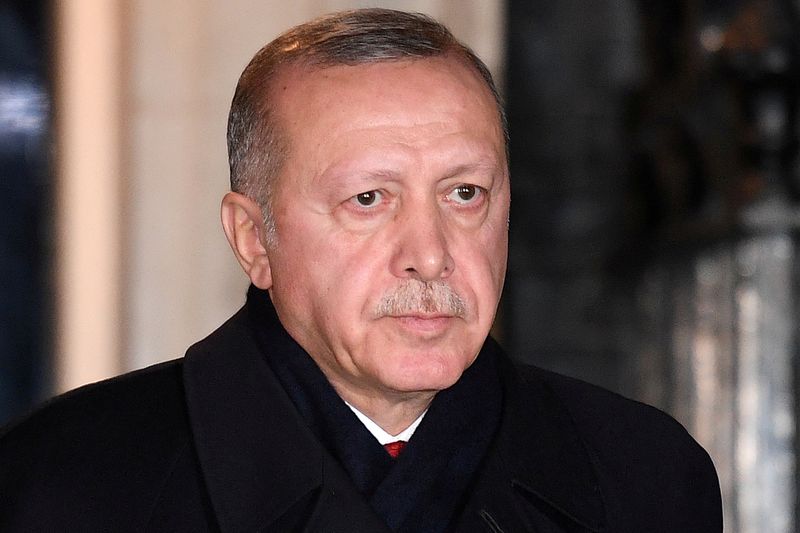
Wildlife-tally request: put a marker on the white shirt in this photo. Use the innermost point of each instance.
(379, 433)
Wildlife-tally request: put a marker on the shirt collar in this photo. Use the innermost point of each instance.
(381, 434)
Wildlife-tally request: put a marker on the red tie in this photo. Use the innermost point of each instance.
(394, 448)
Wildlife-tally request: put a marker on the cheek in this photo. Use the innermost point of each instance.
(481, 261)
(499, 258)
(494, 238)
(487, 250)
(349, 272)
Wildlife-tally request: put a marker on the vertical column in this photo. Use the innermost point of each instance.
(87, 113)
(765, 417)
(711, 391)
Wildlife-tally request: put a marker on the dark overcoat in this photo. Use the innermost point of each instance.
(211, 442)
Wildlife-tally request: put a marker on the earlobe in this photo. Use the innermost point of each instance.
(244, 228)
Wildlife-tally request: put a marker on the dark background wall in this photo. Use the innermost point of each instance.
(569, 73)
(641, 132)
(25, 195)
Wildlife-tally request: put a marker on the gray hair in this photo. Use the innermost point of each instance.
(256, 147)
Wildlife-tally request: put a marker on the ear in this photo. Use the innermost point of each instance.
(243, 223)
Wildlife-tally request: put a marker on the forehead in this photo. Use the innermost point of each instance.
(319, 102)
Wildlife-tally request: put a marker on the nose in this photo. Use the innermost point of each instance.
(422, 250)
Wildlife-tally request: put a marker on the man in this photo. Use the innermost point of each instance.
(369, 210)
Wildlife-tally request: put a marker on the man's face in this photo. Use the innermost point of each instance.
(391, 221)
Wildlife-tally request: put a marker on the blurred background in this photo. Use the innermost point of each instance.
(656, 183)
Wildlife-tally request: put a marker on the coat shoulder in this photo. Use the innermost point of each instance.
(133, 402)
(644, 459)
(107, 443)
(599, 411)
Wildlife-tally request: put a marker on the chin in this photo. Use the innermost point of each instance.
(425, 373)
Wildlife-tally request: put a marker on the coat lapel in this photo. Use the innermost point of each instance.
(262, 466)
(340, 508)
(538, 475)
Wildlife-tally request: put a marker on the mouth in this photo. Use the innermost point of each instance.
(425, 323)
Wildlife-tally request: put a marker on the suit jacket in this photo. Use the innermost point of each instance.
(211, 442)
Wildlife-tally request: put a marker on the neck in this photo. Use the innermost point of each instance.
(393, 412)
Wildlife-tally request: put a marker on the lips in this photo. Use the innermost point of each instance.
(424, 323)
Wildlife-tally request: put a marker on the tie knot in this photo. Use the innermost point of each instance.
(394, 448)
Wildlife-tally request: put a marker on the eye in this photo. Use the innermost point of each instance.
(367, 199)
(465, 194)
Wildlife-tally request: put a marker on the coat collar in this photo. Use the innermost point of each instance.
(242, 421)
(538, 460)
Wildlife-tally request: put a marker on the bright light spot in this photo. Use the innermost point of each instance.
(712, 38)
(23, 108)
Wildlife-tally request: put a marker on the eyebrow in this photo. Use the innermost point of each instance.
(467, 168)
(366, 176)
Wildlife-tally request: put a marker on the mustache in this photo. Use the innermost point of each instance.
(422, 297)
